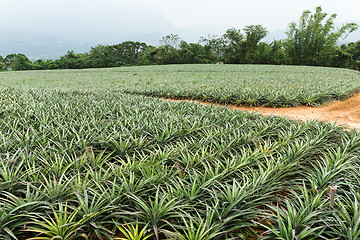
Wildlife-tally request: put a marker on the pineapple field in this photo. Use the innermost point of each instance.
(87, 154)
(248, 85)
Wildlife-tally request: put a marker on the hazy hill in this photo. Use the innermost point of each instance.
(46, 37)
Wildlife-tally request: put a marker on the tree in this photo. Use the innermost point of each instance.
(168, 52)
(101, 56)
(278, 53)
(166, 55)
(72, 60)
(128, 53)
(354, 49)
(40, 65)
(192, 53)
(313, 40)
(172, 40)
(253, 35)
(239, 48)
(341, 58)
(2, 64)
(147, 56)
(17, 62)
(125, 53)
(234, 48)
(213, 47)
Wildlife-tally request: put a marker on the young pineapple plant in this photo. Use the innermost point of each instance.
(102, 164)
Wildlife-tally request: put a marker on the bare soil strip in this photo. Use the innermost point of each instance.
(343, 112)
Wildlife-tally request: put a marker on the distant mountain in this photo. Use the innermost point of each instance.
(50, 46)
(39, 44)
(47, 37)
(49, 40)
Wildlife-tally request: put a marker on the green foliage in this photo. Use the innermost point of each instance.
(253, 35)
(254, 85)
(299, 218)
(2, 64)
(195, 230)
(313, 40)
(126, 53)
(239, 48)
(59, 225)
(213, 47)
(157, 213)
(133, 232)
(41, 65)
(172, 41)
(17, 62)
(184, 171)
(11, 217)
(346, 221)
(81, 154)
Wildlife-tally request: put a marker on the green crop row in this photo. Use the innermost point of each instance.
(77, 164)
(252, 85)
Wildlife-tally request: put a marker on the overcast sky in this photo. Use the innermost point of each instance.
(273, 14)
(110, 21)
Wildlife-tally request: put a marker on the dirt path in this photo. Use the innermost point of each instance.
(343, 112)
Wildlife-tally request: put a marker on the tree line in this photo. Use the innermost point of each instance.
(312, 41)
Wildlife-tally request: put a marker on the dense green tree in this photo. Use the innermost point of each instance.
(40, 65)
(354, 49)
(8, 60)
(72, 60)
(101, 57)
(17, 62)
(192, 53)
(129, 52)
(147, 56)
(234, 47)
(278, 53)
(126, 53)
(52, 64)
(213, 47)
(239, 48)
(254, 53)
(2, 64)
(341, 58)
(253, 35)
(313, 40)
(261, 54)
(349, 55)
(172, 40)
(167, 55)
(168, 52)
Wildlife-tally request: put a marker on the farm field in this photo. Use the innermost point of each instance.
(249, 85)
(80, 158)
(345, 112)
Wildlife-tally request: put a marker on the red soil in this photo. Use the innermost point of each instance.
(346, 112)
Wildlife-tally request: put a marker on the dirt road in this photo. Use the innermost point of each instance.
(343, 112)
